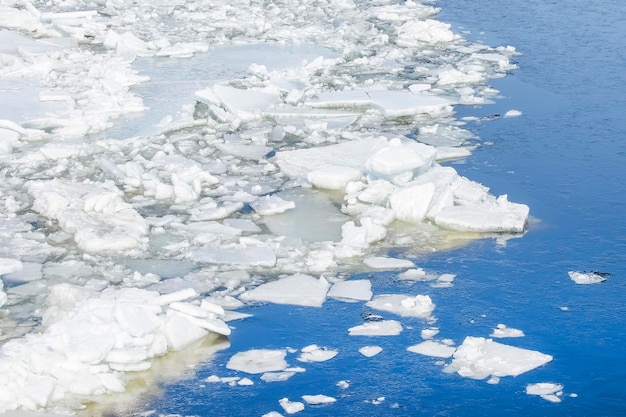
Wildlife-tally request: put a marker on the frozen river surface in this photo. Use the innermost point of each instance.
(271, 209)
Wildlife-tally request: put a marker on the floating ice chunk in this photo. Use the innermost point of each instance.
(277, 376)
(429, 333)
(587, 277)
(314, 353)
(291, 407)
(513, 113)
(358, 289)
(298, 289)
(485, 217)
(272, 414)
(381, 262)
(479, 358)
(258, 361)
(8, 266)
(243, 255)
(354, 239)
(369, 351)
(432, 348)
(414, 33)
(502, 331)
(377, 328)
(416, 274)
(333, 177)
(547, 390)
(244, 150)
(446, 153)
(404, 305)
(318, 399)
(271, 204)
(244, 225)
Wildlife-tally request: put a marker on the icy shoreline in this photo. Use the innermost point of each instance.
(194, 210)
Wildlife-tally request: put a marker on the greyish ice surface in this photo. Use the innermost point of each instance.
(119, 247)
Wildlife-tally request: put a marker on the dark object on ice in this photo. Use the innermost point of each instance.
(602, 274)
(371, 317)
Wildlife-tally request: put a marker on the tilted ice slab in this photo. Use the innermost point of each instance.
(94, 213)
(258, 361)
(377, 328)
(433, 348)
(586, 277)
(479, 358)
(298, 289)
(89, 341)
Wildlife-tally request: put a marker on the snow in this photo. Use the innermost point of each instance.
(585, 278)
(298, 289)
(479, 358)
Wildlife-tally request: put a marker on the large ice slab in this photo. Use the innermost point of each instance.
(479, 358)
(258, 361)
(299, 289)
(377, 328)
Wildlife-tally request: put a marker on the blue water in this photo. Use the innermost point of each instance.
(565, 159)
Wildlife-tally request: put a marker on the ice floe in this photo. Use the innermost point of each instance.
(318, 399)
(479, 358)
(258, 361)
(314, 353)
(549, 391)
(369, 351)
(297, 289)
(502, 330)
(377, 328)
(587, 277)
(406, 306)
(433, 348)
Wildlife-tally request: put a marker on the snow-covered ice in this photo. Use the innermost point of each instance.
(369, 351)
(502, 330)
(315, 353)
(318, 399)
(549, 391)
(258, 361)
(297, 289)
(351, 290)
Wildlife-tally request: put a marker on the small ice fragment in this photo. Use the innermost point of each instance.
(404, 305)
(245, 382)
(291, 407)
(258, 361)
(314, 353)
(343, 384)
(429, 333)
(432, 348)
(381, 262)
(547, 390)
(273, 414)
(587, 277)
(493, 380)
(377, 328)
(369, 351)
(502, 331)
(416, 274)
(318, 399)
(513, 113)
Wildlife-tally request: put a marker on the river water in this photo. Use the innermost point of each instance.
(564, 157)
